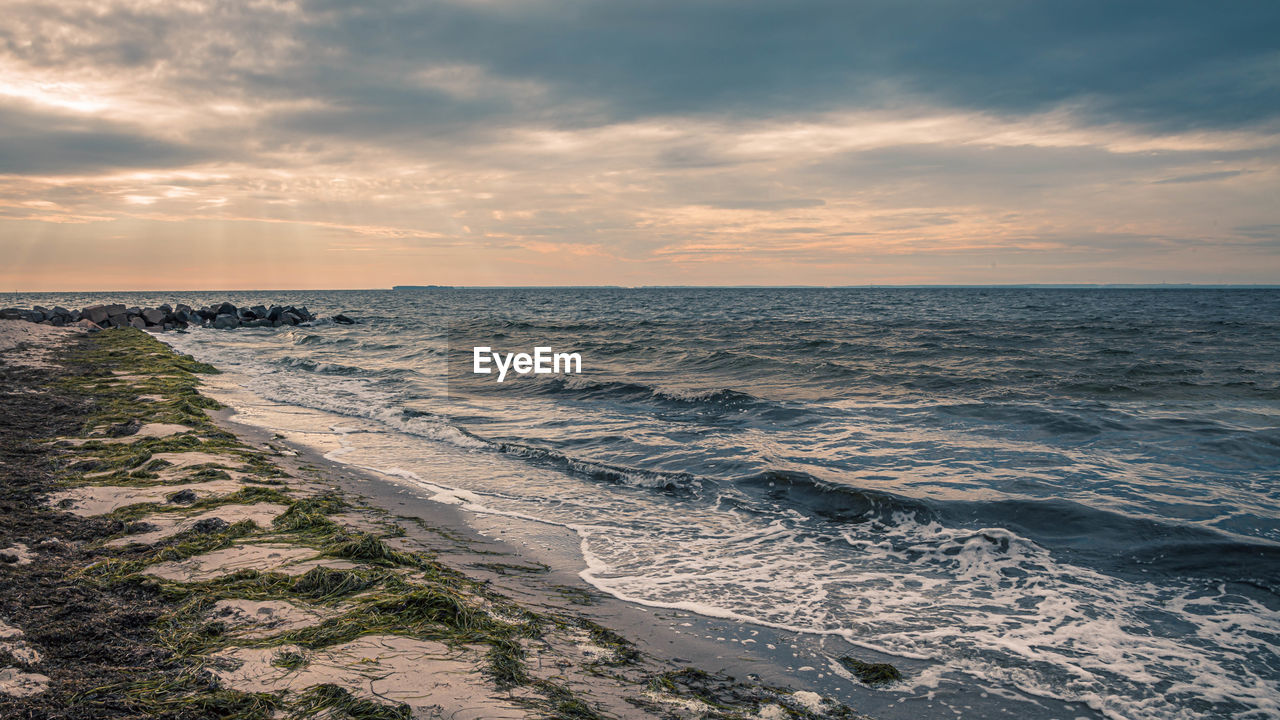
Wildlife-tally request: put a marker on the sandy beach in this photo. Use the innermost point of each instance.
(163, 560)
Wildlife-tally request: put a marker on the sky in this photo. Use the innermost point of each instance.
(190, 144)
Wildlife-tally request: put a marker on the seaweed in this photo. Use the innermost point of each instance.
(871, 673)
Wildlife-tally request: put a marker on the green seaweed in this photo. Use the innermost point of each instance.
(871, 673)
(332, 701)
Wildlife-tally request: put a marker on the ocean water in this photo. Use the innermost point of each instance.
(1068, 494)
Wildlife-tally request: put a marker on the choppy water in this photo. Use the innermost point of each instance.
(1064, 493)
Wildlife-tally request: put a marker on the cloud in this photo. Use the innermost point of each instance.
(628, 133)
(1201, 177)
(38, 143)
(773, 204)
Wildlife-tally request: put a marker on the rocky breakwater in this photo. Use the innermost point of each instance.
(224, 316)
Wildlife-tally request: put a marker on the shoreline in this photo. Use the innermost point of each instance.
(728, 645)
(222, 531)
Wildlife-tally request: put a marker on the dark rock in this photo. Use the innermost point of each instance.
(165, 308)
(182, 497)
(210, 525)
(226, 308)
(291, 318)
(137, 322)
(113, 310)
(343, 319)
(226, 322)
(256, 322)
(154, 316)
(182, 307)
(259, 311)
(305, 314)
(96, 314)
(275, 312)
(118, 321)
(133, 311)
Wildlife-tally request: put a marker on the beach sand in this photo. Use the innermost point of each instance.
(163, 559)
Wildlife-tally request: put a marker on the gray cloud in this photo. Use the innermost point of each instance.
(1201, 177)
(39, 143)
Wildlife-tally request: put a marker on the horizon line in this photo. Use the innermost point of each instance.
(865, 286)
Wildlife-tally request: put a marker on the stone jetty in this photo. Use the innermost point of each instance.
(224, 316)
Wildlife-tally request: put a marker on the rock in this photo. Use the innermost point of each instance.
(154, 316)
(226, 322)
(259, 311)
(10, 314)
(210, 525)
(226, 308)
(182, 497)
(256, 323)
(96, 314)
(181, 307)
(89, 325)
(291, 318)
(133, 311)
(118, 321)
(274, 313)
(165, 308)
(137, 322)
(116, 309)
(343, 319)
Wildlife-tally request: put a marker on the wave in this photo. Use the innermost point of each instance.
(723, 399)
(829, 500)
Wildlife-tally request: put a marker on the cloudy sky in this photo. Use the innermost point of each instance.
(186, 144)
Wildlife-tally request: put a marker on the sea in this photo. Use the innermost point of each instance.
(1068, 494)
